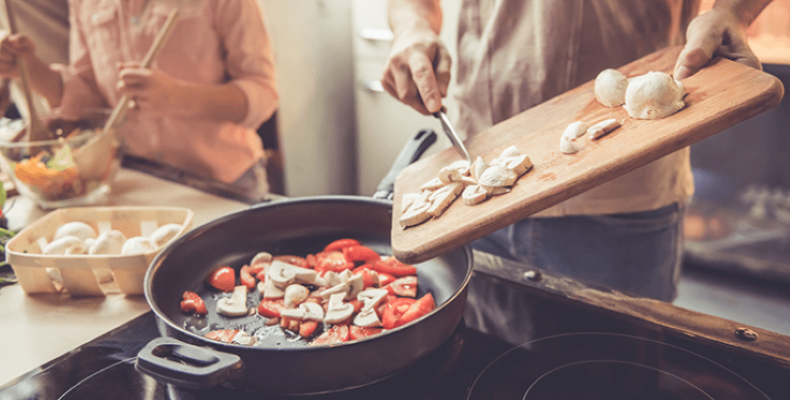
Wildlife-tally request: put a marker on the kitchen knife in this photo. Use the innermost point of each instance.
(454, 139)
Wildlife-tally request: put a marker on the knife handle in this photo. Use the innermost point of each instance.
(410, 153)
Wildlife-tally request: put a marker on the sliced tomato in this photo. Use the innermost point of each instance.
(406, 286)
(222, 278)
(293, 260)
(339, 244)
(394, 267)
(270, 308)
(192, 303)
(222, 335)
(359, 332)
(332, 261)
(383, 304)
(307, 328)
(357, 305)
(310, 259)
(368, 279)
(360, 253)
(419, 308)
(246, 277)
(394, 310)
(335, 334)
(385, 279)
(261, 276)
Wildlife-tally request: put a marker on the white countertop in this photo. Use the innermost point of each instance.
(36, 329)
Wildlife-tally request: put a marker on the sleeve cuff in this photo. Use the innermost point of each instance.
(262, 101)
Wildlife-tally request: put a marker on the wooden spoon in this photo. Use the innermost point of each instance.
(36, 130)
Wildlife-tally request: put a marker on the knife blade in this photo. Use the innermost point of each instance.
(454, 139)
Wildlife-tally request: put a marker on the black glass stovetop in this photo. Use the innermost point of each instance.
(568, 353)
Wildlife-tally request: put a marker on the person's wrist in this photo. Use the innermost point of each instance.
(729, 12)
(183, 100)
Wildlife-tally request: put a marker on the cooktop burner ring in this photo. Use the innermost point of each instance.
(607, 365)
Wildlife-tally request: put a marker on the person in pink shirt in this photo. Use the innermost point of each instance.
(211, 86)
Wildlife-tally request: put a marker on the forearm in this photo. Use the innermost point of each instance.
(45, 81)
(225, 102)
(745, 10)
(411, 14)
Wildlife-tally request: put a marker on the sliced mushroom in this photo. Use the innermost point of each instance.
(244, 339)
(432, 184)
(371, 298)
(569, 146)
(341, 288)
(462, 166)
(108, 243)
(345, 275)
(568, 142)
(417, 214)
(475, 194)
(407, 200)
(78, 229)
(355, 285)
(510, 151)
(165, 233)
(480, 166)
(337, 310)
(236, 304)
(261, 258)
(602, 128)
(520, 164)
(575, 130)
(331, 278)
(67, 245)
(294, 295)
(271, 291)
(444, 197)
(305, 311)
(367, 319)
(281, 274)
(497, 175)
(496, 191)
(449, 175)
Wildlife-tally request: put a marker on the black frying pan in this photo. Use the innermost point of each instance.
(278, 364)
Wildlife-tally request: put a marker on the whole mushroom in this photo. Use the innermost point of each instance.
(610, 87)
(78, 229)
(654, 95)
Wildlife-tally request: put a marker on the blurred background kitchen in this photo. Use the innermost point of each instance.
(337, 131)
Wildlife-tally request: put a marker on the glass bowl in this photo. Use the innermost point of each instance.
(73, 170)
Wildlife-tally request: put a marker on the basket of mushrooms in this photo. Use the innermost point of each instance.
(94, 251)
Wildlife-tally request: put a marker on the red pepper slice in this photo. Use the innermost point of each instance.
(246, 277)
(339, 244)
(419, 308)
(394, 267)
(385, 279)
(360, 253)
(222, 278)
(193, 303)
(222, 335)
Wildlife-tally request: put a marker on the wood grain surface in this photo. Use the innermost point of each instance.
(721, 95)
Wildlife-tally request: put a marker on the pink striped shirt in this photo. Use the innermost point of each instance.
(213, 42)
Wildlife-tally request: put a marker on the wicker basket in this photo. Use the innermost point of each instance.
(90, 275)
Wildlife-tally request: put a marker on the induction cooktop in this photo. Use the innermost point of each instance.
(559, 348)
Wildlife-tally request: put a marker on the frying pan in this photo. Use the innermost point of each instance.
(278, 364)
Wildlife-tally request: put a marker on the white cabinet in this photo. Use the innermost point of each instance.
(383, 124)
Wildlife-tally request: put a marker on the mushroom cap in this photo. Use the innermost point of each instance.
(165, 233)
(295, 294)
(138, 245)
(654, 95)
(108, 243)
(610, 87)
(67, 245)
(78, 229)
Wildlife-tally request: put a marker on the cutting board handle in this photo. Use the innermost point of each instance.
(411, 152)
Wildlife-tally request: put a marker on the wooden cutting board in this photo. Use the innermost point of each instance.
(719, 96)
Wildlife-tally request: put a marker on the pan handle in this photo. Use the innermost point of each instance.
(410, 153)
(185, 365)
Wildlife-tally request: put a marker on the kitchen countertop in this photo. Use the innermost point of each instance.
(36, 329)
